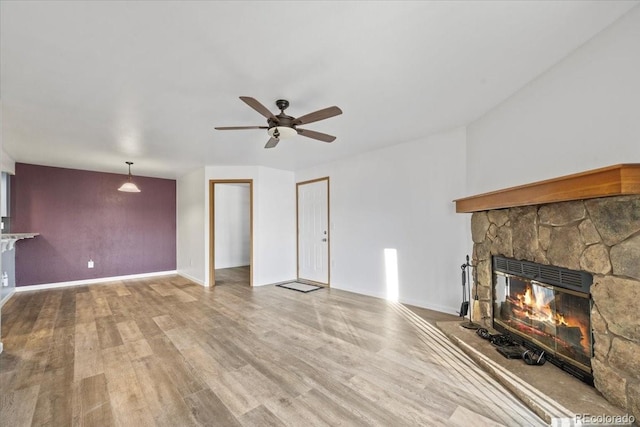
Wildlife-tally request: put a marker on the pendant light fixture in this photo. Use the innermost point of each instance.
(129, 187)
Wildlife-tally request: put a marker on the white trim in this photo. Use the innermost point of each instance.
(92, 281)
(7, 297)
(402, 300)
(429, 306)
(193, 279)
(279, 283)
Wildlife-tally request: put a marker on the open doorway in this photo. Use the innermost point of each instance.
(231, 232)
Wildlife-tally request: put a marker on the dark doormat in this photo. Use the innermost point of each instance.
(300, 287)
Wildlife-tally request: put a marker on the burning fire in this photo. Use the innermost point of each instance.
(538, 306)
(560, 320)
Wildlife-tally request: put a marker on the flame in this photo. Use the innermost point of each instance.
(537, 306)
(560, 320)
(527, 297)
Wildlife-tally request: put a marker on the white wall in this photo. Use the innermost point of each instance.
(581, 114)
(232, 225)
(191, 211)
(400, 197)
(7, 164)
(4, 195)
(8, 265)
(276, 225)
(274, 243)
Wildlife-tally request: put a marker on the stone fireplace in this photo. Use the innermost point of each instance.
(587, 222)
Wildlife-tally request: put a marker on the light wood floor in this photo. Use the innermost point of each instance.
(233, 276)
(164, 351)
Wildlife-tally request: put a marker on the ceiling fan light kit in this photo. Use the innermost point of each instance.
(282, 132)
(282, 126)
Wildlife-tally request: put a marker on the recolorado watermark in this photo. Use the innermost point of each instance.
(588, 420)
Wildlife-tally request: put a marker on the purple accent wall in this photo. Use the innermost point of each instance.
(81, 215)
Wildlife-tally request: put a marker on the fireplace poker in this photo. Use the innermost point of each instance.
(464, 308)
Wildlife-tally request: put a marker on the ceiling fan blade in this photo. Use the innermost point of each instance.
(272, 143)
(240, 127)
(316, 135)
(325, 113)
(256, 105)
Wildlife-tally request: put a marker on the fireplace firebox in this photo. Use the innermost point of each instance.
(548, 309)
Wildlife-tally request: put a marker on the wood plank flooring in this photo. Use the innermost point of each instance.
(167, 352)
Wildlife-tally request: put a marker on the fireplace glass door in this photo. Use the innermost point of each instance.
(556, 319)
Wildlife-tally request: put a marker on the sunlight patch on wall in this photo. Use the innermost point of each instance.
(391, 271)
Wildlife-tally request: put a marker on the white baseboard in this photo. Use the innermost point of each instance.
(409, 301)
(193, 279)
(6, 297)
(92, 281)
(255, 285)
(429, 306)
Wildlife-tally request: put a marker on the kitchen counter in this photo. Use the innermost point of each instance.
(9, 239)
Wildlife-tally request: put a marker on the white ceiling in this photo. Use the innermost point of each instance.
(89, 85)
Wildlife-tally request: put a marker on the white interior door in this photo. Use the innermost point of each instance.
(313, 231)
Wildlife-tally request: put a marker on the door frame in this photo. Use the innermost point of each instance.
(298, 184)
(212, 226)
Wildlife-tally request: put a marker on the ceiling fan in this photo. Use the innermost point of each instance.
(283, 126)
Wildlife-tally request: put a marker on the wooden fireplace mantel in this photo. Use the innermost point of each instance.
(614, 180)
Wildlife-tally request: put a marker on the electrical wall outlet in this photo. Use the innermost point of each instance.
(90, 264)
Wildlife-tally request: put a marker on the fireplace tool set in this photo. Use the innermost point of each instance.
(504, 344)
(466, 296)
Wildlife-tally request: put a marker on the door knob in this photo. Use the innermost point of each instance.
(324, 240)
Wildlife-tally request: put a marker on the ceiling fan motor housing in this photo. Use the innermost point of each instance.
(282, 120)
(278, 125)
(282, 104)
